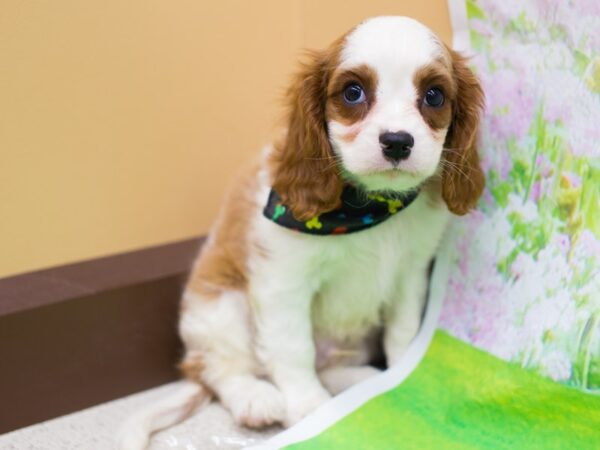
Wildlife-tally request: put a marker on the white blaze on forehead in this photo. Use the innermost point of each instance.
(392, 45)
(395, 48)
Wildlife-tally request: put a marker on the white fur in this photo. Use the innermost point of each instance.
(339, 378)
(218, 331)
(181, 401)
(259, 348)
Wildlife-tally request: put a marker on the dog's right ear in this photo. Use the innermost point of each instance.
(305, 173)
(463, 180)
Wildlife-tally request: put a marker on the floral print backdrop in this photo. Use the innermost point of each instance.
(525, 273)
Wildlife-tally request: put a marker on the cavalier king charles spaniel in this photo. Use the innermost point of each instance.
(320, 255)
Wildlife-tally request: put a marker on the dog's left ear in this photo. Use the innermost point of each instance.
(305, 171)
(462, 179)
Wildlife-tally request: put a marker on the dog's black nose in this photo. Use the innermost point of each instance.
(396, 146)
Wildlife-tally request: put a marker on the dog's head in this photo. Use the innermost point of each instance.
(387, 106)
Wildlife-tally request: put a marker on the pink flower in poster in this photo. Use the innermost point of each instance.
(544, 166)
(563, 242)
(573, 180)
(511, 103)
(536, 190)
(587, 246)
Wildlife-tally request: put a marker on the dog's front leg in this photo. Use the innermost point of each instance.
(286, 346)
(402, 317)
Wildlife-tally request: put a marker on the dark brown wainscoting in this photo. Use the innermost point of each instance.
(82, 334)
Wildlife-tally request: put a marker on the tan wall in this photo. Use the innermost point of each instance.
(121, 122)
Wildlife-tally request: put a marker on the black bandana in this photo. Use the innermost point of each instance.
(358, 212)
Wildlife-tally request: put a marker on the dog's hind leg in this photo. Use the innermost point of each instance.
(340, 378)
(218, 338)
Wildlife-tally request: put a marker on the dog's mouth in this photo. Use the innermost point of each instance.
(389, 180)
(393, 173)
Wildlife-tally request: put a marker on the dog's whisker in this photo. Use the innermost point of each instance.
(458, 168)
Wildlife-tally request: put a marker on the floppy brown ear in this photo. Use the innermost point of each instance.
(305, 173)
(462, 179)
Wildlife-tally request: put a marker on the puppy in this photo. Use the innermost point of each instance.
(324, 247)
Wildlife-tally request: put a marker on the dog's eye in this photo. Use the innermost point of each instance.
(354, 94)
(434, 97)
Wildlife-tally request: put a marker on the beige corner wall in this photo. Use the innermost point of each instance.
(121, 122)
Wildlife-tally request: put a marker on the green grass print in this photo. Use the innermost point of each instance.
(462, 398)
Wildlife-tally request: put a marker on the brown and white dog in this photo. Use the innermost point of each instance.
(275, 321)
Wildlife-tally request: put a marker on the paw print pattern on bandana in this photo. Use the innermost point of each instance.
(393, 205)
(279, 211)
(368, 219)
(378, 197)
(314, 223)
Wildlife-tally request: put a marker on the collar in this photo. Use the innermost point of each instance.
(358, 211)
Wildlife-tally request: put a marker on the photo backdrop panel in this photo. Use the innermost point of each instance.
(525, 272)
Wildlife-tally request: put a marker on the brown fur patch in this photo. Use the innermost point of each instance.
(462, 179)
(350, 135)
(191, 368)
(436, 74)
(304, 169)
(337, 108)
(222, 262)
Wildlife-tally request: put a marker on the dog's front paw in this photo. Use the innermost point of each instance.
(259, 405)
(302, 402)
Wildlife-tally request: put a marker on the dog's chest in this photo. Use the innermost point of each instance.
(351, 277)
(363, 272)
(358, 278)
(349, 303)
